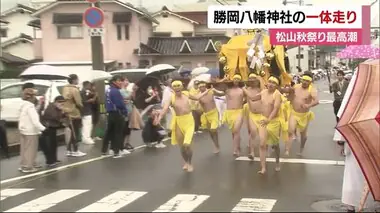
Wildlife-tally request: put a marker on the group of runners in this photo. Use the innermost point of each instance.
(272, 113)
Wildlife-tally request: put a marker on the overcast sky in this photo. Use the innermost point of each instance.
(149, 3)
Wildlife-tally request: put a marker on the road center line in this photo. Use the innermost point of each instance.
(296, 160)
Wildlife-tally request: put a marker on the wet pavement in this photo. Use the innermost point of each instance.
(152, 179)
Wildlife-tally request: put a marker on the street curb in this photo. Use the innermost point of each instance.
(14, 149)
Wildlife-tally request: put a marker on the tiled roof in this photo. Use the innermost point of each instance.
(17, 8)
(9, 58)
(35, 23)
(198, 16)
(21, 37)
(3, 21)
(180, 45)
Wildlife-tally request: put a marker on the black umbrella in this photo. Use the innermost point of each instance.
(147, 81)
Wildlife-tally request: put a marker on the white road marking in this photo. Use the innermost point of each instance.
(47, 201)
(113, 202)
(12, 192)
(294, 160)
(59, 168)
(326, 101)
(254, 205)
(182, 203)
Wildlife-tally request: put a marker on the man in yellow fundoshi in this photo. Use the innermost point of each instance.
(233, 116)
(253, 110)
(271, 104)
(305, 97)
(182, 122)
(211, 115)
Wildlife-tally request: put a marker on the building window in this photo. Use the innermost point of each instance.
(187, 34)
(211, 64)
(67, 31)
(120, 65)
(162, 34)
(120, 29)
(126, 31)
(128, 65)
(3, 33)
(143, 64)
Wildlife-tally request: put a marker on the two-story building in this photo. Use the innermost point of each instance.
(16, 36)
(182, 39)
(66, 39)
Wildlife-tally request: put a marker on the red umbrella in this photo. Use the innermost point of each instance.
(360, 123)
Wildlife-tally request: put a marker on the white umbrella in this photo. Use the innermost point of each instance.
(201, 77)
(44, 72)
(92, 75)
(199, 70)
(160, 69)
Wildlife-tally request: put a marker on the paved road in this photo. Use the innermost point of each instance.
(152, 179)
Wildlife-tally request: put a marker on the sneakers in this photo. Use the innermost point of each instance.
(125, 152)
(28, 170)
(117, 156)
(129, 147)
(89, 142)
(160, 145)
(69, 153)
(78, 154)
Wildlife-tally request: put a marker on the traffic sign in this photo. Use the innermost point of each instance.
(95, 32)
(93, 17)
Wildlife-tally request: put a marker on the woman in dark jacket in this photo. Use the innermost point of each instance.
(53, 118)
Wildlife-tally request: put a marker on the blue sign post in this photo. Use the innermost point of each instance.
(94, 17)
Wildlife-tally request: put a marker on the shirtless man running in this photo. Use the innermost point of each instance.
(254, 114)
(302, 98)
(270, 120)
(183, 121)
(211, 113)
(234, 116)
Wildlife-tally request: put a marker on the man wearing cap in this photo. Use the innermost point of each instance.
(117, 112)
(302, 98)
(73, 106)
(211, 114)
(233, 115)
(270, 120)
(182, 121)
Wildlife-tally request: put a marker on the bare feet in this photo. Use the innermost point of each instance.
(185, 167)
(190, 168)
(236, 154)
(216, 151)
(262, 171)
(287, 153)
(278, 168)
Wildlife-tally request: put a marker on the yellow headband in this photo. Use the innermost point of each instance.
(238, 77)
(307, 78)
(252, 75)
(273, 79)
(201, 85)
(177, 84)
